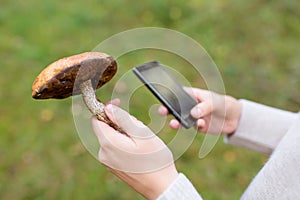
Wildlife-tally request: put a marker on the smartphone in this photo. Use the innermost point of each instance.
(168, 90)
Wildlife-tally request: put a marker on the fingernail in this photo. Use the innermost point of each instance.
(196, 112)
(161, 110)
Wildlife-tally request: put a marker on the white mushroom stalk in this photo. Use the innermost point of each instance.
(95, 106)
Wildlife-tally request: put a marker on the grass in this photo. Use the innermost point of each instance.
(254, 44)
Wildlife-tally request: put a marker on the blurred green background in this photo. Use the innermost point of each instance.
(254, 43)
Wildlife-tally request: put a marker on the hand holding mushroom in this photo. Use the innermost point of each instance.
(140, 158)
(78, 74)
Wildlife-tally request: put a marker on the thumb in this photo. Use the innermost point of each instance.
(132, 126)
(194, 93)
(201, 109)
(106, 135)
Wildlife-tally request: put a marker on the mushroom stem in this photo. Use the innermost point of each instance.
(95, 105)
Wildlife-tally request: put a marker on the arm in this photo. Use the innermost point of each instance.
(279, 178)
(261, 127)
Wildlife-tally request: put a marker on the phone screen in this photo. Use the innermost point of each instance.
(168, 90)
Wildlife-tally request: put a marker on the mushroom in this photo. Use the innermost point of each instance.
(78, 74)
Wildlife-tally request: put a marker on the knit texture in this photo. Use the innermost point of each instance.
(280, 177)
(261, 127)
(180, 189)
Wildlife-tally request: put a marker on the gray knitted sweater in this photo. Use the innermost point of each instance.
(267, 130)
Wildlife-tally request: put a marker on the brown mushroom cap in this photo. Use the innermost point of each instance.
(62, 78)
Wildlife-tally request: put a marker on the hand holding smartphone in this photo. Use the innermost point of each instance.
(168, 90)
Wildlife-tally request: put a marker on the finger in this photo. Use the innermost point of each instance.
(200, 123)
(115, 102)
(198, 94)
(174, 124)
(128, 123)
(201, 110)
(100, 128)
(193, 92)
(162, 110)
(106, 134)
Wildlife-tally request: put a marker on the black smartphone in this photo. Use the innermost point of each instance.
(168, 90)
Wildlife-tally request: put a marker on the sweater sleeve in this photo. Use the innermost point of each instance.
(261, 127)
(279, 178)
(180, 189)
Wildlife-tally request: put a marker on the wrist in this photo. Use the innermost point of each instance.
(237, 115)
(233, 115)
(163, 180)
